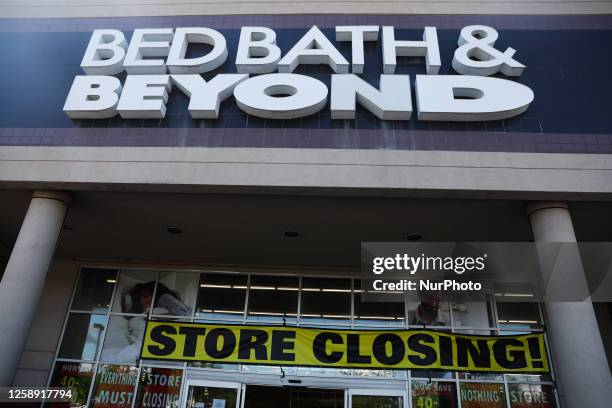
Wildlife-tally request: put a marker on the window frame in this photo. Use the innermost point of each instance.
(494, 328)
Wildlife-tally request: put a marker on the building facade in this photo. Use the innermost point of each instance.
(235, 214)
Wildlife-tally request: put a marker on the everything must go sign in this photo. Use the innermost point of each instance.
(266, 86)
(378, 349)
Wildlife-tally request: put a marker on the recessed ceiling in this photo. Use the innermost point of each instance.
(251, 229)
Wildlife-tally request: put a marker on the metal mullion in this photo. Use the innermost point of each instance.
(163, 316)
(74, 360)
(550, 362)
(61, 338)
(150, 312)
(158, 365)
(541, 314)
(192, 319)
(246, 299)
(137, 383)
(472, 328)
(457, 391)
(87, 312)
(298, 317)
(124, 314)
(555, 391)
(409, 384)
(475, 380)
(352, 370)
(540, 382)
(496, 316)
(506, 391)
(108, 316)
(406, 319)
(490, 311)
(352, 303)
(93, 382)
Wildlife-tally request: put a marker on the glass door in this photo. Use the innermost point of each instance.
(211, 394)
(372, 398)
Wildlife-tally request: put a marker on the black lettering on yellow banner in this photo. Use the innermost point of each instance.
(399, 349)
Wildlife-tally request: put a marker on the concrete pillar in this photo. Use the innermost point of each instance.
(24, 276)
(579, 359)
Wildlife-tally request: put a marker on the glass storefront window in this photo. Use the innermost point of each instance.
(325, 371)
(518, 316)
(377, 401)
(135, 291)
(83, 336)
(111, 339)
(217, 366)
(114, 386)
(176, 294)
(380, 373)
(528, 377)
(123, 339)
(433, 394)
(222, 296)
(159, 388)
(211, 397)
(273, 298)
(377, 313)
(326, 300)
(258, 396)
(472, 314)
(482, 395)
(480, 376)
(75, 376)
(432, 374)
(531, 396)
(429, 312)
(95, 289)
(268, 369)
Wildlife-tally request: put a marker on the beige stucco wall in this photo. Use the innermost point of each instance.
(365, 172)
(105, 8)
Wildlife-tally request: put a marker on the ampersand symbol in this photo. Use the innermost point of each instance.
(477, 56)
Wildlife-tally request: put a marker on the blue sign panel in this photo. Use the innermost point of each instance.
(568, 70)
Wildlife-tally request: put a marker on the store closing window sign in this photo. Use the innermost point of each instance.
(75, 376)
(433, 394)
(114, 387)
(155, 62)
(482, 395)
(531, 396)
(159, 387)
(399, 349)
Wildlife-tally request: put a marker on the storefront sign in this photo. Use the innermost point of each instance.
(433, 394)
(114, 386)
(482, 395)
(74, 376)
(155, 61)
(400, 349)
(531, 396)
(159, 387)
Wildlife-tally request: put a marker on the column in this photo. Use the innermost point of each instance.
(579, 359)
(24, 276)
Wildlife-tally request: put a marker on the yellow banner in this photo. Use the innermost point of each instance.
(390, 349)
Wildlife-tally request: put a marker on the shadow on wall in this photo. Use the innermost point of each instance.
(603, 311)
(3, 263)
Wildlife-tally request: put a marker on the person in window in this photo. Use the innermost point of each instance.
(427, 313)
(124, 338)
(140, 298)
